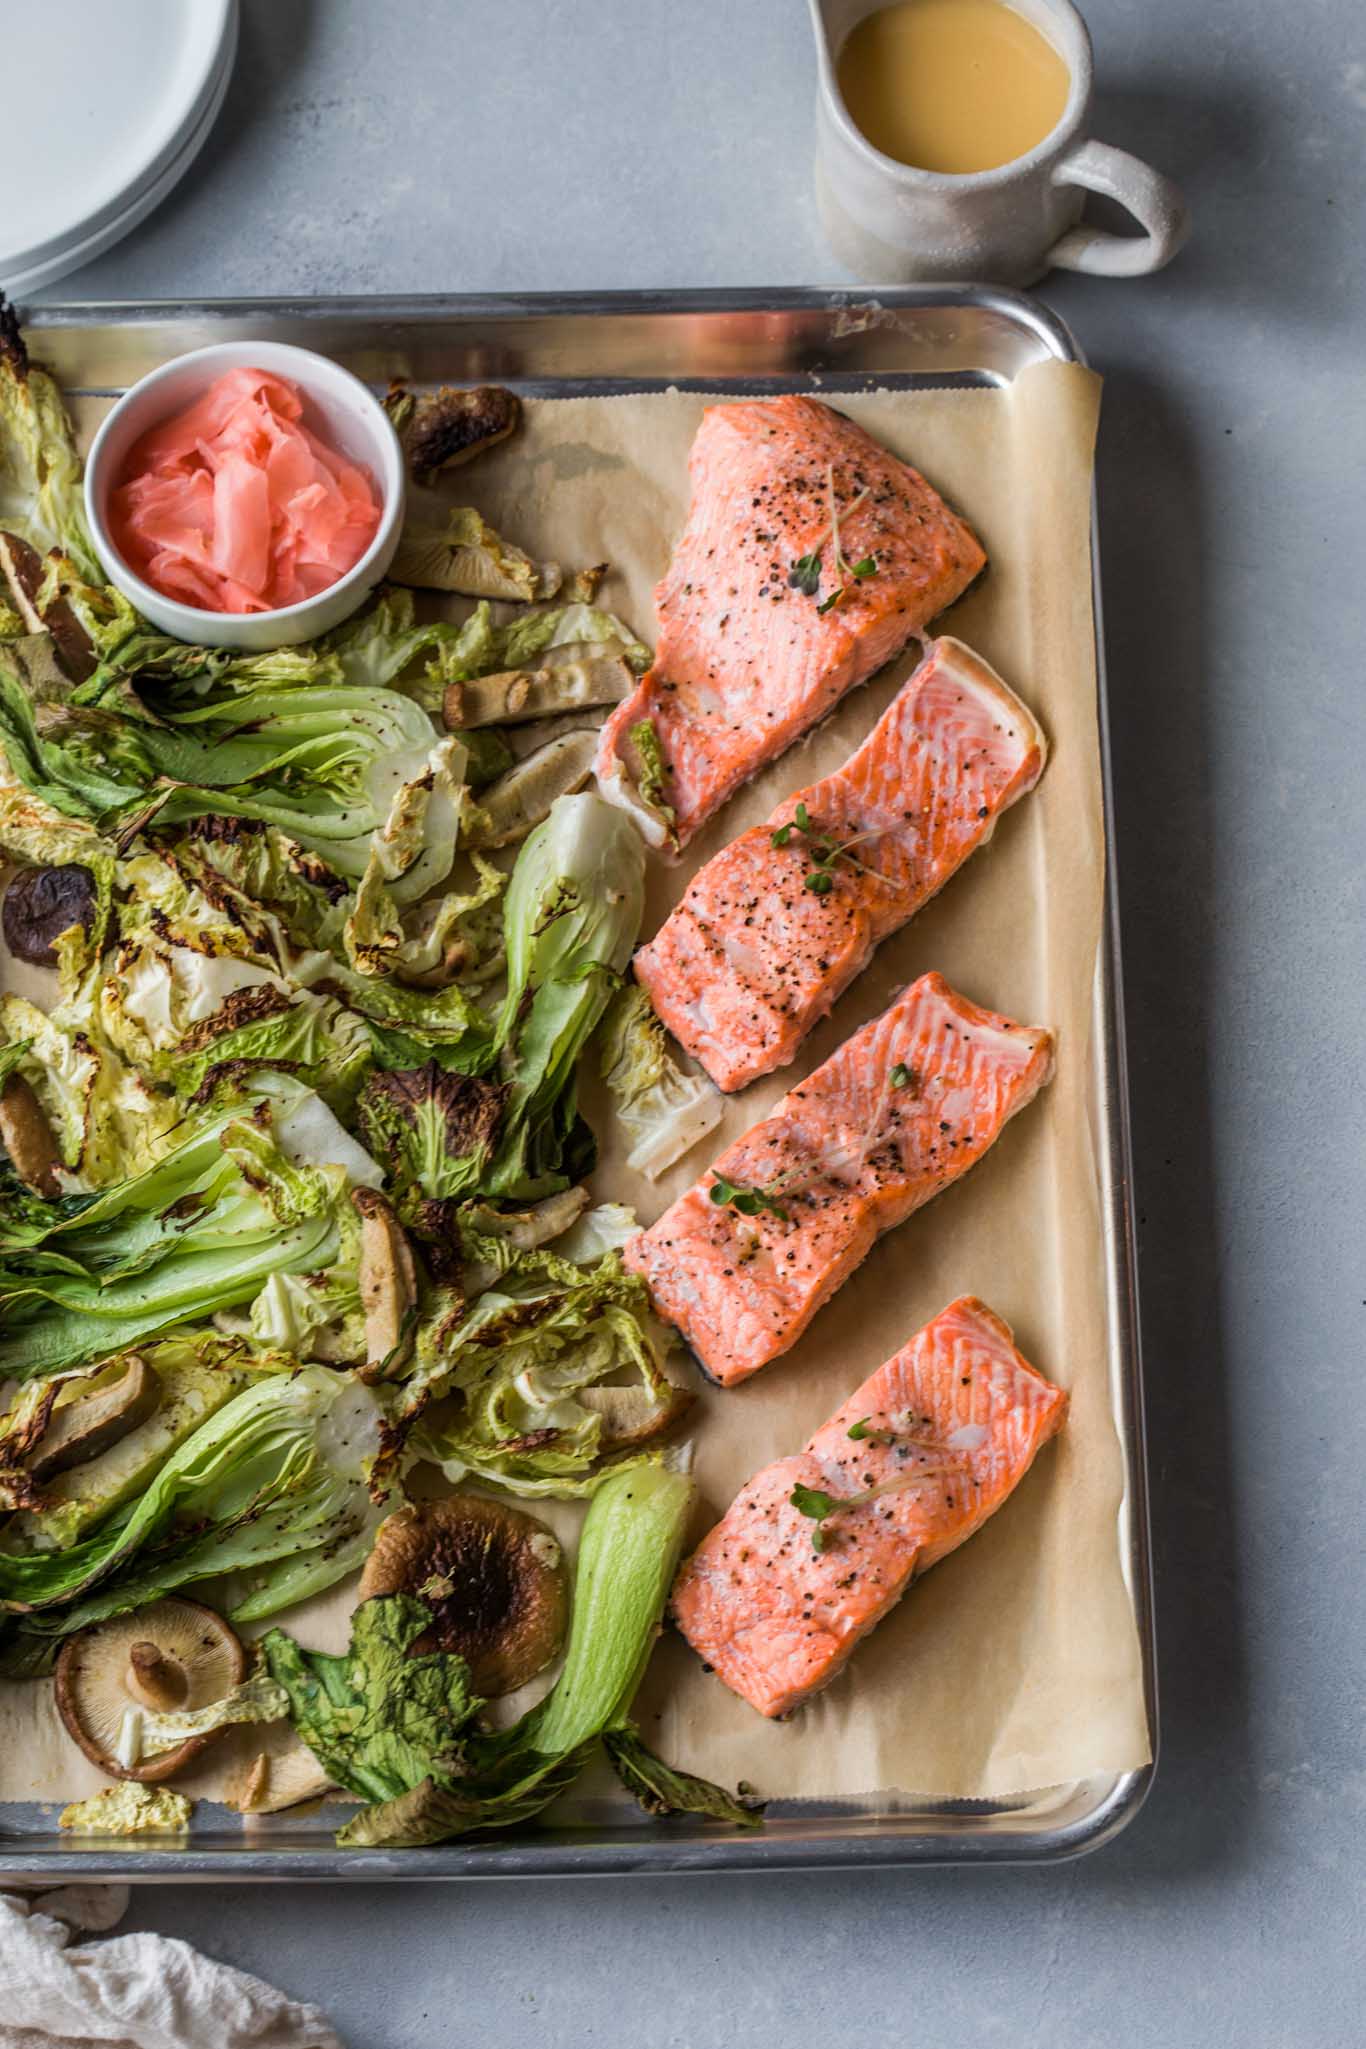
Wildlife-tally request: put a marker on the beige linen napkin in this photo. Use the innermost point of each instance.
(139, 1991)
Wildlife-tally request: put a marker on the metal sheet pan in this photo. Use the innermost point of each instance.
(736, 341)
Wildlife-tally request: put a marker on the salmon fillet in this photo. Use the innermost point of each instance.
(754, 955)
(744, 661)
(948, 1428)
(901, 1110)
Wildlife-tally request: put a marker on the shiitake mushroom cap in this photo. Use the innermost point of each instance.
(494, 1578)
(42, 903)
(96, 1678)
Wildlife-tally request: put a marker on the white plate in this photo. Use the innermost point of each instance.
(103, 139)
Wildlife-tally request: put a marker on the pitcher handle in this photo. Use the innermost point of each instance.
(1154, 201)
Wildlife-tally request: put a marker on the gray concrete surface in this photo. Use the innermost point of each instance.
(539, 144)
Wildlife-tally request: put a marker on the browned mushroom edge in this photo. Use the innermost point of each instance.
(495, 1579)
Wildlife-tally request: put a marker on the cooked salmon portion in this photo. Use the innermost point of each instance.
(777, 1596)
(742, 1262)
(745, 658)
(778, 924)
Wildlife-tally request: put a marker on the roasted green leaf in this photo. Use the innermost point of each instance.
(467, 555)
(377, 1718)
(571, 916)
(203, 1229)
(662, 1790)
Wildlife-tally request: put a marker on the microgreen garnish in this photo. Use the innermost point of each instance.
(805, 573)
(819, 1506)
(815, 1502)
(900, 1076)
(823, 850)
(799, 822)
(865, 1429)
(747, 1202)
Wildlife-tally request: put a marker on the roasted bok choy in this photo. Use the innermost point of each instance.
(274, 1486)
(400, 1731)
(571, 916)
(225, 1220)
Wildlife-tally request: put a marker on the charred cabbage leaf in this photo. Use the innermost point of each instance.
(40, 471)
(107, 1122)
(553, 1366)
(663, 1111)
(564, 633)
(410, 854)
(470, 557)
(432, 1129)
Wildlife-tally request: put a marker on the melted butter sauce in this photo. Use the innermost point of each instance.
(952, 85)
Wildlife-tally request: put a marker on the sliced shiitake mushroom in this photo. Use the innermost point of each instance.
(508, 809)
(25, 571)
(277, 1778)
(388, 1283)
(90, 1423)
(521, 694)
(447, 428)
(523, 741)
(494, 1578)
(27, 1137)
(633, 1415)
(523, 1229)
(173, 1655)
(42, 903)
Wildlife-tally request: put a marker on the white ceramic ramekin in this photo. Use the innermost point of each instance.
(338, 408)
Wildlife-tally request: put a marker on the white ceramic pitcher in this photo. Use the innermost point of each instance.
(893, 224)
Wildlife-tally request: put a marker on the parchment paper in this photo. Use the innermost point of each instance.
(1014, 1664)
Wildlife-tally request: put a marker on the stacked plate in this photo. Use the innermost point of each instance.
(107, 109)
